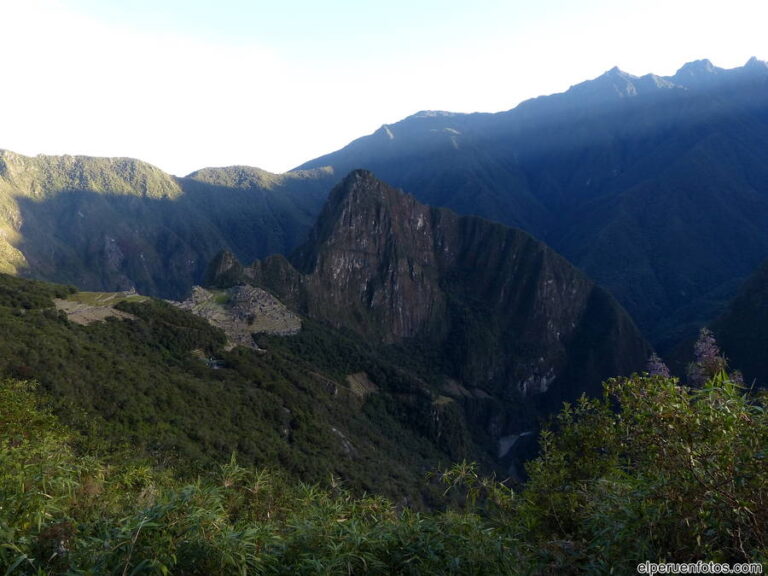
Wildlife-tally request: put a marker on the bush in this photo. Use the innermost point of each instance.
(63, 513)
(654, 470)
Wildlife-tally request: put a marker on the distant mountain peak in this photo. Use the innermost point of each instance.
(617, 72)
(704, 74)
(697, 68)
(703, 65)
(615, 83)
(755, 64)
(697, 73)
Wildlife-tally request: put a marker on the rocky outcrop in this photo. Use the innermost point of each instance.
(505, 312)
(224, 270)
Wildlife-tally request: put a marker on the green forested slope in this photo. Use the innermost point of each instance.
(612, 488)
(117, 223)
(141, 387)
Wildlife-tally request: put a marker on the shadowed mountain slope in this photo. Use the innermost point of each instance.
(743, 330)
(656, 187)
(116, 224)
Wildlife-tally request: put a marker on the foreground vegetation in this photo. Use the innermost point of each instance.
(68, 513)
(652, 471)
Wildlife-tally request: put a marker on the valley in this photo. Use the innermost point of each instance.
(439, 333)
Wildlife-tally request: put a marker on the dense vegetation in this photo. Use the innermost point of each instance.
(163, 386)
(68, 513)
(652, 471)
(117, 223)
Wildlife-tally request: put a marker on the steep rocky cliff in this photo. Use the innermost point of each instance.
(501, 311)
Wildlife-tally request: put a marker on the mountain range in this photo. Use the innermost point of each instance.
(398, 318)
(654, 186)
(657, 187)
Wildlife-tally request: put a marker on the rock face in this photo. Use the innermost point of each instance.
(224, 270)
(377, 247)
(503, 311)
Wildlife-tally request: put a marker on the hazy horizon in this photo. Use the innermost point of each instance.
(186, 85)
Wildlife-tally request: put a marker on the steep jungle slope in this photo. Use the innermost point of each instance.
(743, 329)
(119, 224)
(509, 329)
(158, 382)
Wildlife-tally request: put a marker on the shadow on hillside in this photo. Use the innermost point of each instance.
(160, 247)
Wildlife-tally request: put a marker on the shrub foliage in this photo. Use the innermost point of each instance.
(652, 471)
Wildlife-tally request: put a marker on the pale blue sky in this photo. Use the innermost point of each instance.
(188, 84)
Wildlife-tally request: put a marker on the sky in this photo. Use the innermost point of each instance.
(186, 84)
